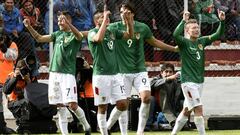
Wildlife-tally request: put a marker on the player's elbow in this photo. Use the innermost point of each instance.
(97, 39)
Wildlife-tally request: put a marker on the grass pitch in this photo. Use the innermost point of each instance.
(192, 132)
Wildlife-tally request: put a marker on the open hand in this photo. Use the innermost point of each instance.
(186, 16)
(221, 15)
(106, 14)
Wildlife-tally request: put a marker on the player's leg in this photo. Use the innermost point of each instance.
(199, 120)
(123, 117)
(198, 110)
(143, 111)
(55, 98)
(181, 121)
(142, 84)
(70, 97)
(188, 92)
(102, 86)
(118, 96)
(192, 93)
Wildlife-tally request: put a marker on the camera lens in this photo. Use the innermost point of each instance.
(24, 71)
(30, 61)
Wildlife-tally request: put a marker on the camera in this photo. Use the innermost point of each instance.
(28, 64)
(24, 71)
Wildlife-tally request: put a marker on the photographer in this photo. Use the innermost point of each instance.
(16, 83)
(8, 56)
(167, 93)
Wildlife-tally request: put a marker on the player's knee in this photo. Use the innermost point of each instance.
(73, 106)
(198, 111)
(186, 112)
(121, 105)
(102, 109)
(145, 97)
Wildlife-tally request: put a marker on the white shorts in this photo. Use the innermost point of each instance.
(61, 88)
(192, 93)
(108, 89)
(139, 81)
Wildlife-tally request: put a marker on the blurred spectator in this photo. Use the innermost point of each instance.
(13, 27)
(163, 22)
(46, 18)
(232, 10)
(205, 13)
(167, 14)
(8, 56)
(42, 5)
(166, 94)
(29, 11)
(82, 13)
(59, 5)
(82, 16)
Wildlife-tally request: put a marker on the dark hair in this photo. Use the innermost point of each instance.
(65, 12)
(95, 15)
(129, 6)
(167, 65)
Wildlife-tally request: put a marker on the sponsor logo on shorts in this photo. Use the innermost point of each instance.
(198, 100)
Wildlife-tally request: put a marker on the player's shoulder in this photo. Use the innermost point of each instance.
(115, 24)
(92, 32)
(57, 33)
(141, 24)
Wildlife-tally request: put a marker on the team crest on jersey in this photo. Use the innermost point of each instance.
(200, 46)
(103, 99)
(112, 36)
(137, 35)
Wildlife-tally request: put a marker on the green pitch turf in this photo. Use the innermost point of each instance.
(192, 132)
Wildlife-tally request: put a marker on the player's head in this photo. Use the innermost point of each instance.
(192, 28)
(98, 18)
(126, 6)
(61, 22)
(167, 69)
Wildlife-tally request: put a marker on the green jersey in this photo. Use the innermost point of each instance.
(104, 53)
(130, 52)
(66, 47)
(192, 53)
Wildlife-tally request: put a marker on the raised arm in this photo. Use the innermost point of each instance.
(35, 34)
(78, 34)
(157, 82)
(9, 85)
(180, 28)
(101, 32)
(128, 19)
(220, 29)
(159, 44)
